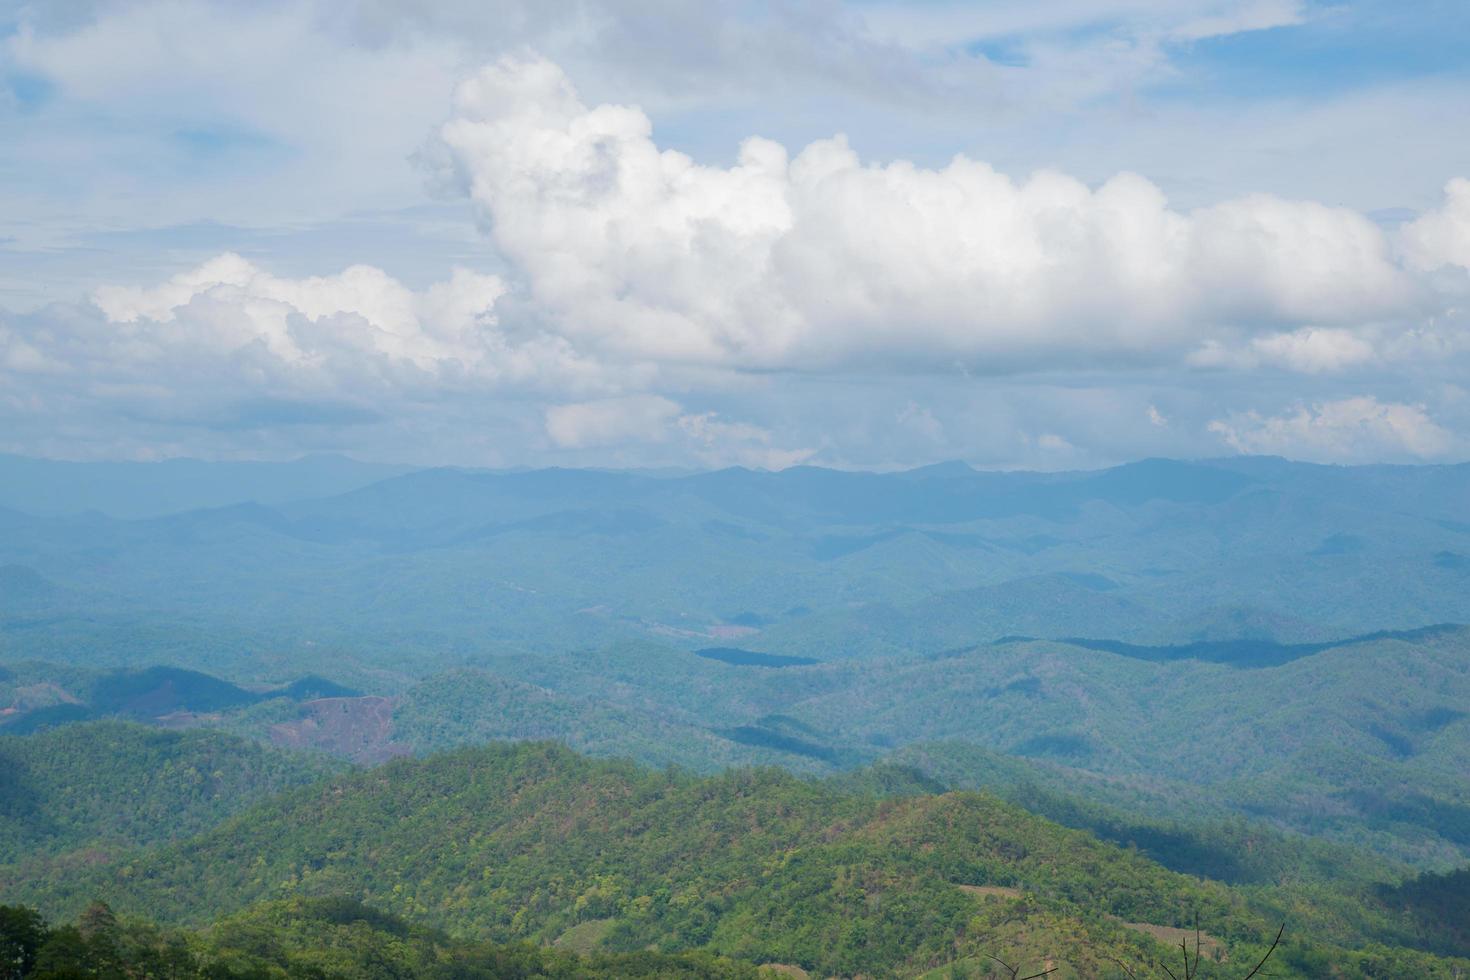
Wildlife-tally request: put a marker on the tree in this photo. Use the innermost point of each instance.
(1191, 970)
(22, 934)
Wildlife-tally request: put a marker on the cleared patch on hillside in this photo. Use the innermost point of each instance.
(585, 937)
(992, 891)
(1210, 947)
(360, 729)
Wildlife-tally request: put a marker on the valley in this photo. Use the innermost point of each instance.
(1255, 744)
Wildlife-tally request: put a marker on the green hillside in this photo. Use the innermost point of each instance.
(531, 842)
(324, 939)
(1362, 742)
(112, 784)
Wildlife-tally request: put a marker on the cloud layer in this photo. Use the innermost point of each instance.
(791, 305)
(1355, 430)
(817, 260)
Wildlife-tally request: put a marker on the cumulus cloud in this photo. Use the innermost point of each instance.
(609, 421)
(652, 309)
(1360, 429)
(718, 442)
(228, 304)
(229, 346)
(1309, 350)
(1314, 350)
(360, 327)
(819, 259)
(1441, 237)
(323, 100)
(709, 438)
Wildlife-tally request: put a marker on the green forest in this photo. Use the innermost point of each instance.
(513, 849)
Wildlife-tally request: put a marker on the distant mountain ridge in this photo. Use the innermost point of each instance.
(828, 563)
(132, 490)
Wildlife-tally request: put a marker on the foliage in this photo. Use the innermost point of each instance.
(523, 843)
(115, 784)
(320, 939)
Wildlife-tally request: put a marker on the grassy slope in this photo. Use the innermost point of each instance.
(115, 784)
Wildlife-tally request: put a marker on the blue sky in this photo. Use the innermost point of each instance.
(1184, 228)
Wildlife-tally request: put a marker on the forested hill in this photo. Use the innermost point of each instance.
(531, 842)
(110, 784)
(320, 939)
(1373, 759)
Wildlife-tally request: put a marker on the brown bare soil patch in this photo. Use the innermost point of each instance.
(360, 729)
(42, 695)
(1210, 947)
(991, 891)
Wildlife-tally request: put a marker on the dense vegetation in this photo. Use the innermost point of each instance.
(109, 784)
(322, 939)
(1364, 743)
(531, 843)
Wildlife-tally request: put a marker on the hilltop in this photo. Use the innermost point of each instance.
(532, 842)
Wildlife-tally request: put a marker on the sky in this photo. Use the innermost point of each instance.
(1048, 234)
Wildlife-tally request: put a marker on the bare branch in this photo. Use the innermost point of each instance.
(1124, 967)
(1012, 970)
(1015, 971)
(1274, 943)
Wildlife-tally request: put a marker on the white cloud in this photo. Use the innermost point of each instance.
(706, 436)
(1308, 350)
(1239, 18)
(1313, 350)
(174, 110)
(1050, 442)
(638, 281)
(1441, 237)
(333, 323)
(610, 421)
(1360, 429)
(230, 348)
(822, 260)
(952, 23)
(718, 442)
